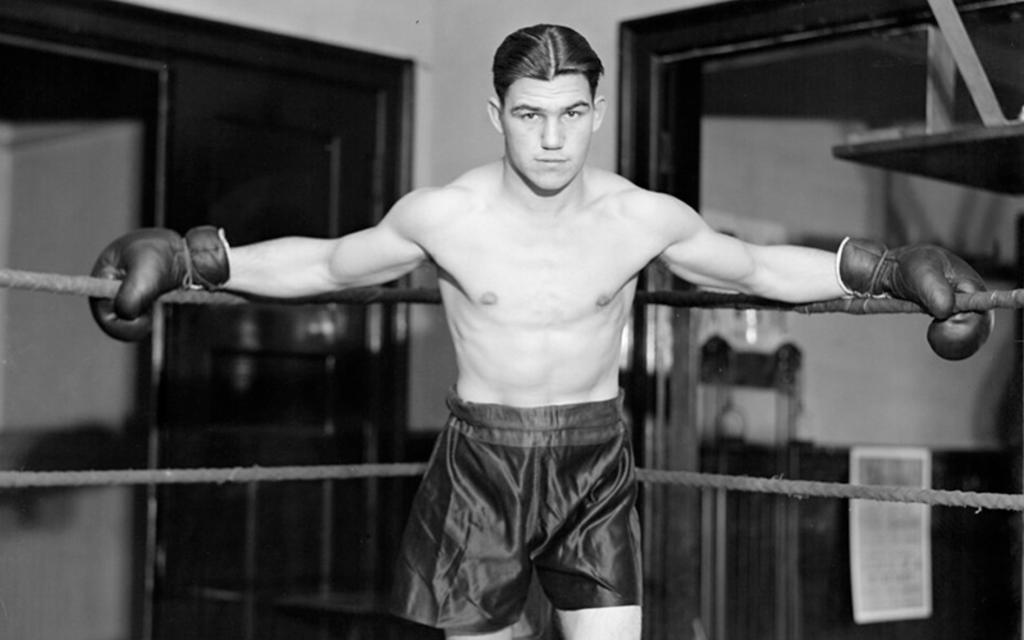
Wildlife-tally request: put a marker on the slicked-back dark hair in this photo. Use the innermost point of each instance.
(542, 52)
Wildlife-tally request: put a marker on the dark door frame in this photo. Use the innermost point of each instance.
(159, 41)
(150, 38)
(659, 149)
(725, 28)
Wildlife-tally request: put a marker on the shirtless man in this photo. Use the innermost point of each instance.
(538, 257)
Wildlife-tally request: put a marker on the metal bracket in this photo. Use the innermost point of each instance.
(967, 62)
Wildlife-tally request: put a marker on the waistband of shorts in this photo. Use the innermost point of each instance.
(579, 422)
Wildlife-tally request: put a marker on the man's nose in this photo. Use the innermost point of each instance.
(554, 134)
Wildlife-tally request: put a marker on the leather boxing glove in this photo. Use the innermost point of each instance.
(151, 262)
(926, 274)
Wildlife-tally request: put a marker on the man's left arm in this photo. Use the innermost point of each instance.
(786, 273)
(925, 274)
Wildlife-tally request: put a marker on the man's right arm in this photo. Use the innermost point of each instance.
(151, 262)
(293, 266)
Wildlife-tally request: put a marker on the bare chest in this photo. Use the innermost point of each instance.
(545, 276)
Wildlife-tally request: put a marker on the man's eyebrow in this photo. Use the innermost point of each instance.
(526, 107)
(578, 105)
(519, 108)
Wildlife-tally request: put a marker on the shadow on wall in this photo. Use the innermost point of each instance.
(83, 447)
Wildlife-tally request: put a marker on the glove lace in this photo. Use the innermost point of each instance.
(877, 273)
(189, 281)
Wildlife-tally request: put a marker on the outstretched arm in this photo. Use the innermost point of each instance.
(151, 262)
(781, 272)
(292, 266)
(705, 257)
(925, 274)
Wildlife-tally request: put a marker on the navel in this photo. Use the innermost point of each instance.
(489, 298)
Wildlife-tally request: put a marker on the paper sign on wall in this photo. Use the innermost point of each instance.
(890, 543)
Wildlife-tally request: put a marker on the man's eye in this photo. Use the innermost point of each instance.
(528, 116)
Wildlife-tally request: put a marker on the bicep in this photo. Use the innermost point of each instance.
(691, 249)
(708, 258)
(295, 266)
(373, 256)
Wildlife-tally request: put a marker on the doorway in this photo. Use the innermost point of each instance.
(79, 135)
(736, 110)
(263, 135)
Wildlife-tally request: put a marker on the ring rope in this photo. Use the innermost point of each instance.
(693, 479)
(228, 475)
(105, 288)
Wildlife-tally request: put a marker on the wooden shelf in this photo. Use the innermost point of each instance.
(984, 157)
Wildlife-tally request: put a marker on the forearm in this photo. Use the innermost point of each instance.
(787, 273)
(794, 274)
(283, 267)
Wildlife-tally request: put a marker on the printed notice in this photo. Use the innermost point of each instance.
(890, 542)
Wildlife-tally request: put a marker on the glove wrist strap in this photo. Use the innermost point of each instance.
(206, 258)
(839, 272)
(861, 268)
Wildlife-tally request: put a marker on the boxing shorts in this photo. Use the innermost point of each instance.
(516, 494)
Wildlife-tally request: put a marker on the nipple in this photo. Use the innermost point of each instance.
(489, 298)
(603, 300)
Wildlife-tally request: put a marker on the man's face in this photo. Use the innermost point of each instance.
(547, 127)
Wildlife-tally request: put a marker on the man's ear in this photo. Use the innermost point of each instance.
(600, 107)
(494, 111)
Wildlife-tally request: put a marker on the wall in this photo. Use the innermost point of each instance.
(868, 380)
(65, 203)
(65, 389)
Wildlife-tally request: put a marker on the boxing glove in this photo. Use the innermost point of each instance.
(151, 262)
(926, 274)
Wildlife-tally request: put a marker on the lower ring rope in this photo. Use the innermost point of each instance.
(105, 288)
(228, 475)
(693, 479)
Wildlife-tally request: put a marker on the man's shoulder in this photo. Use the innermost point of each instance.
(436, 203)
(621, 194)
(605, 183)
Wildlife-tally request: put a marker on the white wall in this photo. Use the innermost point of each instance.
(65, 189)
(73, 188)
(867, 380)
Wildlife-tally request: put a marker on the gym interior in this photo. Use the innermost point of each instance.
(781, 121)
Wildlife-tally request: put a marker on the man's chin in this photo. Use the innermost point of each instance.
(551, 182)
(547, 182)
(549, 187)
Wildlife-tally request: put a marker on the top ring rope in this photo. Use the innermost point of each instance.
(104, 288)
(693, 479)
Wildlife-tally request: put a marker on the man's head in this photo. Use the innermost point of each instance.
(545, 78)
(542, 52)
